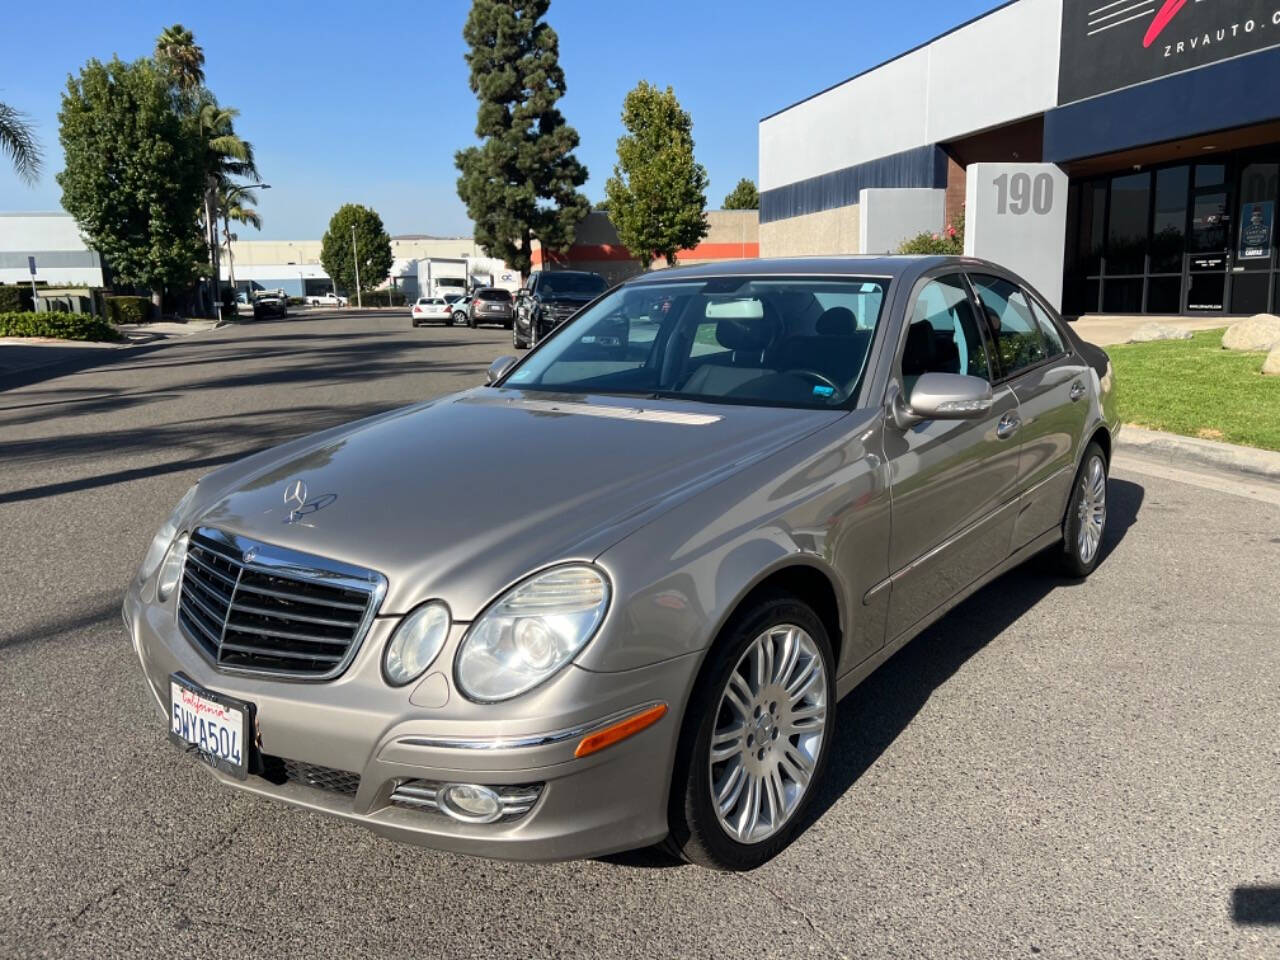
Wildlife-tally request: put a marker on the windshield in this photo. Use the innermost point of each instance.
(576, 283)
(775, 341)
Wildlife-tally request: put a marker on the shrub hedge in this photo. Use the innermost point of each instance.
(15, 299)
(127, 309)
(64, 326)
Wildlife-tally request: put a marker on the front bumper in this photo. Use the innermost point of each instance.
(603, 803)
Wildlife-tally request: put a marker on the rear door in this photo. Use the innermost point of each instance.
(1050, 382)
(953, 482)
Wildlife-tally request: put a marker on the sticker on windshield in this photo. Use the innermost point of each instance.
(822, 390)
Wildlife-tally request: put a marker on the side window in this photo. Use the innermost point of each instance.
(1012, 327)
(942, 334)
(1051, 335)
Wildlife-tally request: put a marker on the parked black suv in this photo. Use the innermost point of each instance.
(550, 298)
(491, 305)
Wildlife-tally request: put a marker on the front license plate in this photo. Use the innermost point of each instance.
(211, 725)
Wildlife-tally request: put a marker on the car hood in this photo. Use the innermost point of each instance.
(461, 496)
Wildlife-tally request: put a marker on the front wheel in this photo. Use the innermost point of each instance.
(1086, 519)
(756, 737)
(516, 340)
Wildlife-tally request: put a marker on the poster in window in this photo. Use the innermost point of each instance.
(1255, 230)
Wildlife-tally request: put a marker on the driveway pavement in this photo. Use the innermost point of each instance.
(1053, 770)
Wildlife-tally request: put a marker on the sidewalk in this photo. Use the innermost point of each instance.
(21, 355)
(1107, 329)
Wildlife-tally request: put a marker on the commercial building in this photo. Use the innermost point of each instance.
(62, 259)
(294, 265)
(731, 235)
(1159, 117)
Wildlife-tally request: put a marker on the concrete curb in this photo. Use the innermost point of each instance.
(1211, 453)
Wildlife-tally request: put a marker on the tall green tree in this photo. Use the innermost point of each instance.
(134, 174)
(180, 58)
(658, 192)
(373, 247)
(19, 141)
(236, 204)
(744, 196)
(520, 183)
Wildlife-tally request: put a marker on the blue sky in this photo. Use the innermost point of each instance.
(351, 102)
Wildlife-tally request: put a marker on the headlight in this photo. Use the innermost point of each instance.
(533, 630)
(416, 643)
(164, 536)
(171, 569)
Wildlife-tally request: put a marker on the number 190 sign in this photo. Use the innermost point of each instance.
(1016, 216)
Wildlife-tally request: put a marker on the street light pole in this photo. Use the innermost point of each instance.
(355, 259)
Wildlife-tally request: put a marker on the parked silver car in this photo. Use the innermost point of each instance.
(746, 485)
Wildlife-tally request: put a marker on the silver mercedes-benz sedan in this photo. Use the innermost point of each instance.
(696, 516)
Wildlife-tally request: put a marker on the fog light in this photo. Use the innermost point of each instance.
(470, 803)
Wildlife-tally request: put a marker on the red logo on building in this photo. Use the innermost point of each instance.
(1162, 18)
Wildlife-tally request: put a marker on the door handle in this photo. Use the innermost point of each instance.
(1008, 426)
(1077, 391)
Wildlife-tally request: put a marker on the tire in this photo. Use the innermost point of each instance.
(1086, 521)
(739, 840)
(516, 341)
(533, 333)
(471, 322)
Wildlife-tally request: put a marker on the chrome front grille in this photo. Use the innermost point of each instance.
(256, 608)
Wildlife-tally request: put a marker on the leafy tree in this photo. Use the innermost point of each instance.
(658, 192)
(521, 183)
(19, 142)
(372, 243)
(744, 196)
(134, 176)
(180, 59)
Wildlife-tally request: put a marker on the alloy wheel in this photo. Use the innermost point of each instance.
(768, 733)
(1091, 510)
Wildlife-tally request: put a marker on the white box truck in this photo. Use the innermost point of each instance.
(440, 276)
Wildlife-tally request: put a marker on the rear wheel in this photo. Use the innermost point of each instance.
(756, 737)
(1086, 519)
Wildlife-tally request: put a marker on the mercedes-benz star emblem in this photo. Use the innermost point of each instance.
(300, 503)
(296, 494)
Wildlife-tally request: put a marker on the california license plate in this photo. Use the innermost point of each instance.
(211, 725)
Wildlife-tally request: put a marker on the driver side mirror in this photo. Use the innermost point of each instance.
(498, 369)
(943, 396)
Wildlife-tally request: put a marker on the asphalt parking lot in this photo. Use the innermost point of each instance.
(1053, 770)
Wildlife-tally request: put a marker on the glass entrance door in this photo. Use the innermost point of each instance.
(1209, 241)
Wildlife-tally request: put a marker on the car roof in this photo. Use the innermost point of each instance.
(853, 265)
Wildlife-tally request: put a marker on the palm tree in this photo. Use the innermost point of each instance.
(19, 142)
(226, 157)
(236, 203)
(181, 58)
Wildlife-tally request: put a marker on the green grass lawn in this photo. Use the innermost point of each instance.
(1195, 388)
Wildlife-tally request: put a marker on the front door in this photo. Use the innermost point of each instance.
(1208, 286)
(1051, 384)
(952, 482)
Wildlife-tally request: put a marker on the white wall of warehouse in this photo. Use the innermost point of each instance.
(999, 68)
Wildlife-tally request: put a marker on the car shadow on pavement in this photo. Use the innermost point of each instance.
(871, 717)
(1256, 906)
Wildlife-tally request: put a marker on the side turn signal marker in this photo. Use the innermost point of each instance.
(620, 730)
